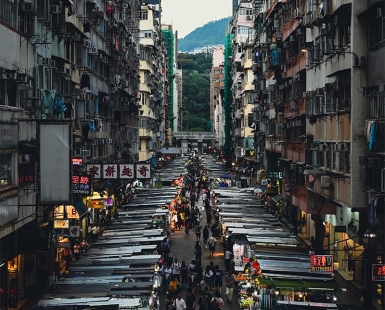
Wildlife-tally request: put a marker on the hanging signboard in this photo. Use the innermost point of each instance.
(378, 272)
(61, 223)
(126, 171)
(77, 161)
(110, 171)
(321, 263)
(82, 184)
(143, 171)
(95, 171)
(72, 231)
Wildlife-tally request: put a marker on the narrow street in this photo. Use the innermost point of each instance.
(182, 247)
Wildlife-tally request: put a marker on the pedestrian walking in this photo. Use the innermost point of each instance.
(203, 302)
(211, 243)
(183, 273)
(174, 286)
(179, 303)
(218, 279)
(228, 255)
(198, 252)
(208, 218)
(190, 300)
(208, 277)
(216, 302)
(77, 250)
(176, 269)
(198, 228)
(170, 300)
(229, 285)
(205, 235)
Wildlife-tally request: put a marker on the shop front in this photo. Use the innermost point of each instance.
(344, 243)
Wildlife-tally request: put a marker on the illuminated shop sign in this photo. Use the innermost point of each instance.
(321, 263)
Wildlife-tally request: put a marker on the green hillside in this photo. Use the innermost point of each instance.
(210, 34)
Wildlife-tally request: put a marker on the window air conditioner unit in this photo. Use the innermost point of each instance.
(55, 9)
(373, 162)
(292, 166)
(383, 180)
(287, 187)
(379, 12)
(325, 181)
(93, 51)
(301, 169)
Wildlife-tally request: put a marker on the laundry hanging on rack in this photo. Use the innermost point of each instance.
(371, 134)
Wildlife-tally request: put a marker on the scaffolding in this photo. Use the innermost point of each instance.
(169, 43)
(228, 94)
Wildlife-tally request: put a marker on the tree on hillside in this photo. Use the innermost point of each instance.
(196, 89)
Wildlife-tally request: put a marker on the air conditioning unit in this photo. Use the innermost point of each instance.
(383, 180)
(93, 51)
(33, 94)
(86, 43)
(292, 166)
(104, 59)
(379, 12)
(301, 169)
(278, 36)
(298, 32)
(55, 9)
(325, 181)
(287, 188)
(373, 162)
(363, 160)
(304, 94)
(249, 17)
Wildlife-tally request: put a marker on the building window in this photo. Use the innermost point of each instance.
(7, 170)
(8, 12)
(144, 16)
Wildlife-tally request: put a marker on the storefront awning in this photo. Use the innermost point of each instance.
(277, 198)
(80, 207)
(284, 159)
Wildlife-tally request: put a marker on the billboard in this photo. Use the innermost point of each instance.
(55, 163)
(82, 184)
(323, 263)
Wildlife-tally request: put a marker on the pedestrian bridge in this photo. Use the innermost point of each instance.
(194, 135)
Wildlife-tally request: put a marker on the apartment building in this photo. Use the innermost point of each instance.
(151, 81)
(317, 121)
(242, 29)
(77, 63)
(216, 98)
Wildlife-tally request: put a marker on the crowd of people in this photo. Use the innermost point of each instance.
(192, 276)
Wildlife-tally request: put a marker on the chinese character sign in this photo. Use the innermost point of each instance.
(72, 231)
(143, 171)
(378, 272)
(321, 263)
(110, 171)
(95, 171)
(126, 171)
(82, 184)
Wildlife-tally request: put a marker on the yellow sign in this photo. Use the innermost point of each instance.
(97, 204)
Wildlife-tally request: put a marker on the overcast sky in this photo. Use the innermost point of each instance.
(186, 15)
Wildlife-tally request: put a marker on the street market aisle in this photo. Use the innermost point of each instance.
(182, 247)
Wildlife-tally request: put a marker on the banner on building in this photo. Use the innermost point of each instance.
(55, 163)
(119, 171)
